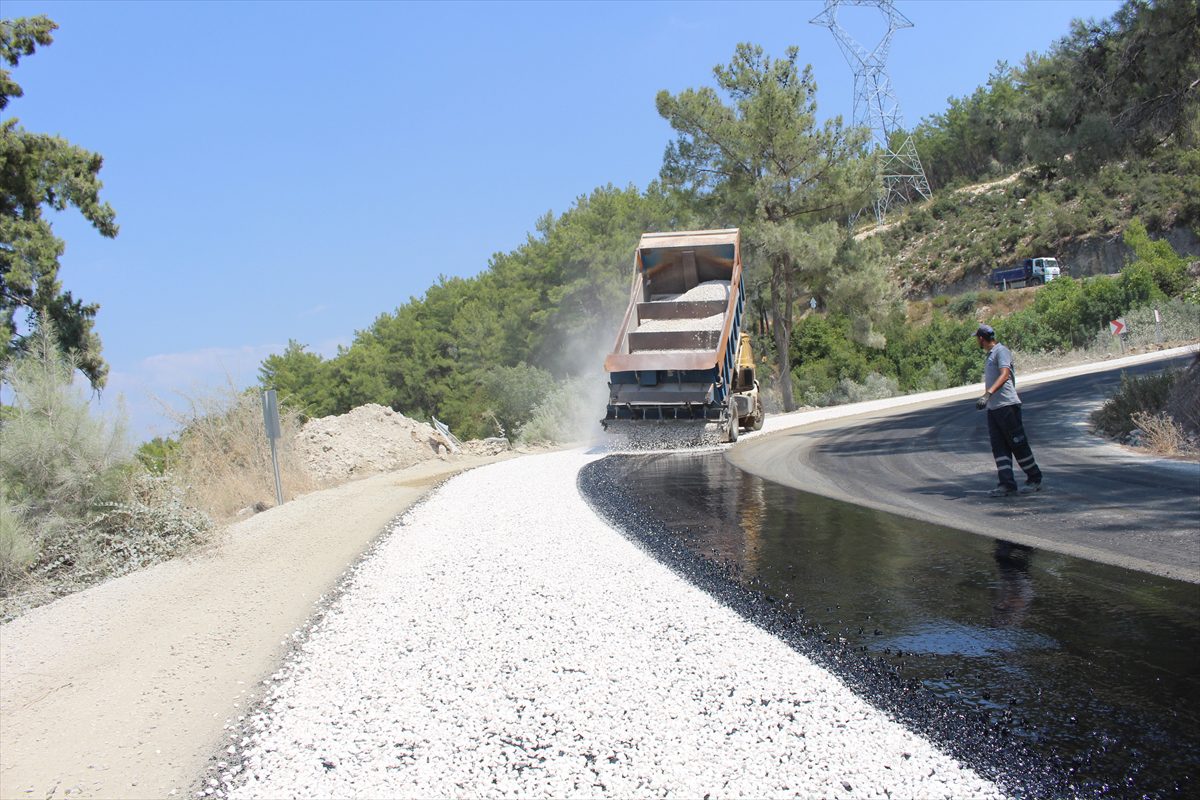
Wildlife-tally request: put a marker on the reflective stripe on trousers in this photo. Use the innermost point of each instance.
(1007, 434)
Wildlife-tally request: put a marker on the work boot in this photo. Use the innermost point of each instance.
(1031, 486)
(1003, 491)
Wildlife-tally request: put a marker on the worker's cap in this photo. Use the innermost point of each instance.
(986, 331)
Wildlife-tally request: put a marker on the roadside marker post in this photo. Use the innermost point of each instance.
(271, 419)
(1117, 326)
(1157, 327)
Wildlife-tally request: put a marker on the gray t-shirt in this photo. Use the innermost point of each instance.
(999, 358)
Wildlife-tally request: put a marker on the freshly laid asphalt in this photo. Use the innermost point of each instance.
(931, 461)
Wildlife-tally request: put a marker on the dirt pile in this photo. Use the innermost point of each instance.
(492, 446)
(366, 440)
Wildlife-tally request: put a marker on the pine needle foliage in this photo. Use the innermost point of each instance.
(40, 172)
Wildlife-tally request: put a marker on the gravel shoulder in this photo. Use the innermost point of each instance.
(503, 641)
(123, 690)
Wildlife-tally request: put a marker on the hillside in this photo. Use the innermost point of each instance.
(1062, 156)
(982, 305)
(951, 243)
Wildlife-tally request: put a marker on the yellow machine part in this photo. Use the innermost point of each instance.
(745, 356)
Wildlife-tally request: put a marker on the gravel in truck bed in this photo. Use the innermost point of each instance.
(709, 323)
(502, 640)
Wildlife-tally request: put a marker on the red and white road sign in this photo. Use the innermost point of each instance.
(1117, 326)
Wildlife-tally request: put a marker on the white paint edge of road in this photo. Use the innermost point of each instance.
(782, 422)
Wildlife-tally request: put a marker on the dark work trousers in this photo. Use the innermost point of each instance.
(1008, 442)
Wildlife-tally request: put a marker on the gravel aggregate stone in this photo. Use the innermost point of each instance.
(501, 642)
(707, 290)
(712, 322)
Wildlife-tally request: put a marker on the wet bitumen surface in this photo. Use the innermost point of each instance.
(1050, 674)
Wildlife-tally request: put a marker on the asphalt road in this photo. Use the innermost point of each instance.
(932, 462)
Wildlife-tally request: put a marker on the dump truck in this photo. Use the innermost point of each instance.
(681, 360)
(1030, 272)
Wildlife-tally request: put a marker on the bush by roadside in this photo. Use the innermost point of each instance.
(569, 412)
(1160, 412)
(222, 457)
(75, 508)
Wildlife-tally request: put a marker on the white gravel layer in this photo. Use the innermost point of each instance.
(710, 323)
(708, 290)
(503, 641)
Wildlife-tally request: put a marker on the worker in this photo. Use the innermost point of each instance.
(1005, 428)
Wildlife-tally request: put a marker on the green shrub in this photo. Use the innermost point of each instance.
(1164, 266)
(1025, 331)
(151, 524)
(964, 304)
(873, 387)
(58, 462)
(940, 301)
(1192, 294)
(831, 368)
(17, 550)
(946, 204)
(1147, 394)
(936, 376)
(919, 221)
(942, 351)
(812, 380)
(1103, 300)
(829, 338)
(156, 454)
(1070, 313)
(512, 394)
(569, 412)
(74, 507)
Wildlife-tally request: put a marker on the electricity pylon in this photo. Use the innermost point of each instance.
(876, 107)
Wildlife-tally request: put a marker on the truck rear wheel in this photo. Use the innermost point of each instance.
(731, 432)
(756, 420)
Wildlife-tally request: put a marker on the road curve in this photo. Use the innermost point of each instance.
(931, 461)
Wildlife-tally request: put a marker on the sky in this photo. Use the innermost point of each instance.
(293, 170)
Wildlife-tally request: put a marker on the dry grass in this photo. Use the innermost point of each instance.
(983, 188)
(1159, 412)
(987, 303)
(1161, 434)
(1007, 302)
(920, 313)
(224, 458)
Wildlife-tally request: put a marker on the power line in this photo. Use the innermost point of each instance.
(902, 177)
